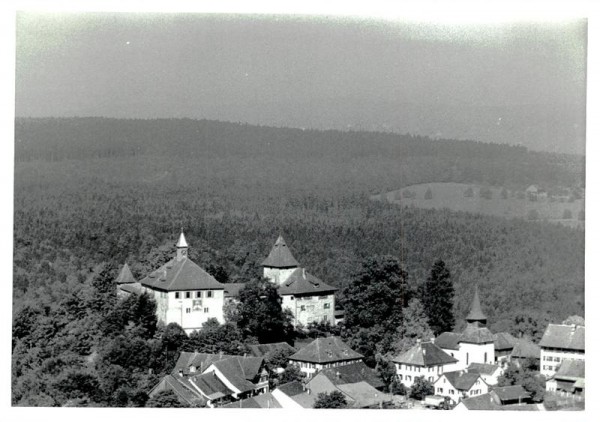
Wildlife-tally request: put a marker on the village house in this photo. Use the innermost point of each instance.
(324, 352)
(475, 344)
(308, 298)
(525, 349)
(558, 343)
(488, 372)
(503, 346)
(513, 397)
(457, 385)
(214, 379)
(569, 379)
(184, 293)
(423, 359)
(293, 395)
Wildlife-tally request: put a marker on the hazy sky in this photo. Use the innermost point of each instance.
(511, 83)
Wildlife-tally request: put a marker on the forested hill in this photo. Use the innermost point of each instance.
(93, 190)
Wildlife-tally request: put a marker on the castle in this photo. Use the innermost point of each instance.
(189, 296)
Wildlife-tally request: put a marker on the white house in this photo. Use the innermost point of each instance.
(488, 372)
(324, 352)
(569, 379)
(184, 292)
(308, 298)
(460, 384)
(558, 343)
(424, 359)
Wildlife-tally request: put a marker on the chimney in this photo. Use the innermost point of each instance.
(180, 372)
(303, 272)
(337, 374)
(432, 339)
(308, 391)
(418, 341)
(220, 354)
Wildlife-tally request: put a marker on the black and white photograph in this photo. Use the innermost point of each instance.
(267, 210)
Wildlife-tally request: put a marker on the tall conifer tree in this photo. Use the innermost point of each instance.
(437, 296)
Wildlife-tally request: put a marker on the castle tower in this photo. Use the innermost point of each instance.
(280, 263)
(476, 315)
(182, 247)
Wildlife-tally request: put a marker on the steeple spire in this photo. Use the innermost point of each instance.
(476, 315)
(280, 256)
(182, 247)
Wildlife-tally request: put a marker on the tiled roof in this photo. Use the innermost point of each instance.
(280, 256)
(571, 369)
(305, 399)
(199, 360)
(262, 401)
(239, 371)
(185, 393)
(512, 392)
(481, 402)
(504, 341)
(482, 368)
(302, 282)
(353, 373)
(125, 276)
(131, 288)
(526, 349)
(291, 389)
(211, 386)
(448, 340)
(564, 336)
(476, 314)
(325, 350)
(233, 289)
(181, 275)
(461, 380)
(260, 350)
(476, 335)
(425, 354)
(362, 394)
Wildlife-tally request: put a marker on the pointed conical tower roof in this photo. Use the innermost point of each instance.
(125, 276)
(182, 243)
(476, 315)
(280, 256)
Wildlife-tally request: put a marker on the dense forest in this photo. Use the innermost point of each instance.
(94, 192)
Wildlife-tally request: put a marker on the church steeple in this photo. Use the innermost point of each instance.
(476, 315)
(182, 247)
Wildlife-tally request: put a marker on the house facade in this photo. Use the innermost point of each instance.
(561, 342)
(425, 359)
(457, 385)
(490, 373)
(184, 293)
(308, 298)
(569, 379)
(322, 353)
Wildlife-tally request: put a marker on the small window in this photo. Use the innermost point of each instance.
(188, 310)
(408, 378)
(198, 294)
(430, 379)
(451, 391)
(176, 295)
(291, 297)
(303, 308)
(205, 310)
(188, 295)
(327, 306)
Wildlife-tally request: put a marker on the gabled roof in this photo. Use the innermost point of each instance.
(199, 360)
(571, 369)
(481, 402)
(504, 341)
(125, 276)
(183, 392)
(302, 282)
(326, 350)
(240, 371)
(291, 389)
(211, 386)
(526, 349)
(233, 289)
(448, 340)
(280, 256)
(476, 314)
(262, 401)
(564, 336)
(462, 380)
(476, 335)
(425, 354)
(511, 392)
(181, 274)
(362, 394)
(260, 350)
(482, 368)
(353, 373)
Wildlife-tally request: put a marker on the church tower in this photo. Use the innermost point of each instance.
(182, 247)
(280, 263)
(476, 315)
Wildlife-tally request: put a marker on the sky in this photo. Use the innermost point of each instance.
(521, 82)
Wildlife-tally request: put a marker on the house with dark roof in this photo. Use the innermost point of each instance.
(511, 394)
(185, 392)
(424, 359)
(184, 292)
(561, 342)
(307, 297)
(457, 385)
(569, 379)
(503, 346)
(264, 401)
(475, 343)
(511, 398)
(488, 372)
(322, 353)
(293, 395)
(525, 349)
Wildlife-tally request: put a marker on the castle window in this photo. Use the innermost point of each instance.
(176, 295)
(199, 294)
(188, 295)
(327, 306)
(209, 293)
